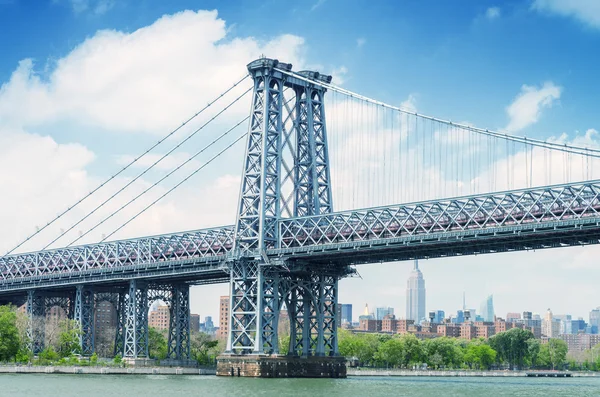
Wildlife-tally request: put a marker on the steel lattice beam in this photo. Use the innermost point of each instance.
(84, 315)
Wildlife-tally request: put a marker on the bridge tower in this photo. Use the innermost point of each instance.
(286, 173)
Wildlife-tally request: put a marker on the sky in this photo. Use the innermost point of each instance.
(87, 85)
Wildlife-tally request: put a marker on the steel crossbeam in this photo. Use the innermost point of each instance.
(545, 206)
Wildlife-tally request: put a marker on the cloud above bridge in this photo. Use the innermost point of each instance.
(527, 107)
(117, 84)
(586, 11)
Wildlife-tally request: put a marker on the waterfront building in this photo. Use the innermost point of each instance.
(415, 295)
(580, 342)
(389, 324)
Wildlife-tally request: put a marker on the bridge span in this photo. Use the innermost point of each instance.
(288, 248)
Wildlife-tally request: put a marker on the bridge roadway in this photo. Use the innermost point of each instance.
(546, 217)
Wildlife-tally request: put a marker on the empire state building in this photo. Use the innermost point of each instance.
(415, 295)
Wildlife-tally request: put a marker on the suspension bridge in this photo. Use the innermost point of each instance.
(289, 247)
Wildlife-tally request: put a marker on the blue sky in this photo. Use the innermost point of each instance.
(464, 61)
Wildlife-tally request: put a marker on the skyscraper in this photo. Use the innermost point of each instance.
(487, 309)
(595, 320)
(346, 313)
(415, 295)
(381, 312)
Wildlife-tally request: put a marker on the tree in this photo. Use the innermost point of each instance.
(9, 334)
(69, 338)
(447, 350)
(359, 346)
(479, 355)
(512, 346)
(157, 344)
(202, 346)
(533, 351)
(413, 350)
(557, 352)
(391, 353)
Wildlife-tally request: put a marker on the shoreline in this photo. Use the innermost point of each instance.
(470, 374)
(352, 372)
(77, 370)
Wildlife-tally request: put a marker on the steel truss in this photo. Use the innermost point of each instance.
(179, 324)
(120, 331)
(534, 208)
(135, 334)
(105, 257)
(36, 321)
(311, 300)
(287, 145)
(84, 315)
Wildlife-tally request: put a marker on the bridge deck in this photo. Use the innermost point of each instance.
(554, 216)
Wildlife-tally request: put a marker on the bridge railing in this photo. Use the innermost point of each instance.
(493, 210)
(169, 247)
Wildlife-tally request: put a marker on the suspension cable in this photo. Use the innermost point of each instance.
(159, 181)
(176, 186)
(209, 104)
(150, 167)
(581, 150)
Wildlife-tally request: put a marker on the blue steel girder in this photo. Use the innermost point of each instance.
(111, 256)
(536, 210)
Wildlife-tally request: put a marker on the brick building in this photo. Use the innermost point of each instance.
(159, 318)
(223, 317)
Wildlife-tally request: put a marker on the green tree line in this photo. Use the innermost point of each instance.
(514, 349)
(64, 348)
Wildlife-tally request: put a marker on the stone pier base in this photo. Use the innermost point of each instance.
(281, 366)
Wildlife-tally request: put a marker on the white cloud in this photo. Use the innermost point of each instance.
(360, 42)
(339, 75)
(167, 70)
(492, 13)
(96, 7)
(586, 11)
(318, 4)
(528, 105)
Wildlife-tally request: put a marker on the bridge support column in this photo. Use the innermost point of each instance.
(120, 331)
(135, 340)
(84, 315)
(179, 325)
(36, 321)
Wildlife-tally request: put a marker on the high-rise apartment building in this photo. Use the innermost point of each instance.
(595, 321)
(415, 295)
(512, 317)
(550, 326)
(487, 309)
(194, 322)
(346, 313)
(159, 317)
(223, 317)
(381, 312)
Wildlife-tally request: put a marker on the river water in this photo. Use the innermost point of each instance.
(33, 385)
